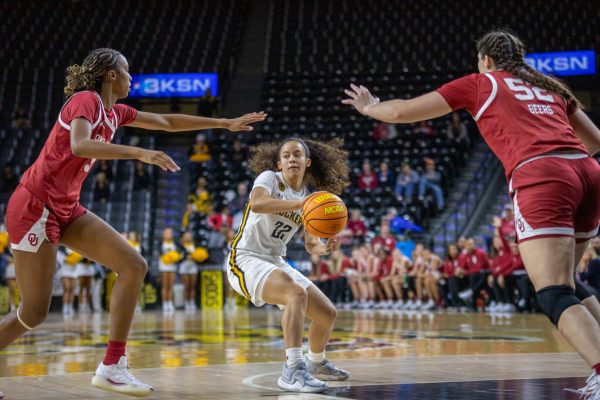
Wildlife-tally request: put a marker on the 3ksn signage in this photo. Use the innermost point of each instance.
(564, 63)
(174, 85)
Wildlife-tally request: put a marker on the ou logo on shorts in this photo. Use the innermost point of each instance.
(33, 239)
(520, 225)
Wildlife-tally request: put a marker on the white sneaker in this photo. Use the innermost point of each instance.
(430, 305)
(66, 310)
(84, 308)
(117, 378)
(171, 306)
(416, 305)
(299, 379)
(165, 307)
(591, 391)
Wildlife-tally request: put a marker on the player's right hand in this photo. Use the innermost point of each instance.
(158, 158)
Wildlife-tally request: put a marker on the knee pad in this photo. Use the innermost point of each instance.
(582, 292)
(554, 300)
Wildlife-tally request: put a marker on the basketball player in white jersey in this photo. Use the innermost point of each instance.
(257, 269)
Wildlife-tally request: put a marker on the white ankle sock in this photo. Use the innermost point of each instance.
(293, 355)
(316, 357)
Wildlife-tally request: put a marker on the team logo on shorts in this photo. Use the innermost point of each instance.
(520, 225)
(33, 239)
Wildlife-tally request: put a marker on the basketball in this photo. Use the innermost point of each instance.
(324, 215)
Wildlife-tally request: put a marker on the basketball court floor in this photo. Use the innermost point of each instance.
(238, 354)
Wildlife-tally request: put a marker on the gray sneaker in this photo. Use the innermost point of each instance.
(298, 379)
(326, 371)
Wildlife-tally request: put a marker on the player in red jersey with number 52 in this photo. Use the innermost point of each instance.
(44, 210)
(535, 126)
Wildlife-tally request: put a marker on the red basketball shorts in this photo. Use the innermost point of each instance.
(29, 222)
(556, 195)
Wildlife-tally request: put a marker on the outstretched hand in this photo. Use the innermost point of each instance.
(360, 98)
(242, 123)
(158, 158)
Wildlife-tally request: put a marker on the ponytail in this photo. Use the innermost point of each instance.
(508, 53)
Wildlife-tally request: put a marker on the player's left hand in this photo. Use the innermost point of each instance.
(332, 244)
(242, 123)
(360, 98)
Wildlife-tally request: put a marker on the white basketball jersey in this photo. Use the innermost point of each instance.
(268, 234)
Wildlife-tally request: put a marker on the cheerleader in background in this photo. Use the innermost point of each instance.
(134, 241)
(167, 265)
(188, 269)
(85, 271)
(10, 278)
(68, 272)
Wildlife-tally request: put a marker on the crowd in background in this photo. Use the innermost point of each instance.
(378, 275)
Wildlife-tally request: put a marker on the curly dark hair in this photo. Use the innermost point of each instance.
(329, 169)
(508, 52)
(88, 75)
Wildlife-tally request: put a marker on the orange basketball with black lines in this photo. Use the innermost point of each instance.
(324, 214)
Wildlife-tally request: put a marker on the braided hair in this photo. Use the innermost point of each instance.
(508, 53)
(89, 75)
(329, 169)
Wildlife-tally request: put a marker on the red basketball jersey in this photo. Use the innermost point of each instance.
(57, 175)
(517, 120)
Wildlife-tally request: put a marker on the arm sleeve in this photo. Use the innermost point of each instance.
(81, 105)
(125, 114)
(462, 93)
(267, 180)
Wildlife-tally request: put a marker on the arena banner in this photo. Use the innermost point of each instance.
(564, 63)
(211, 289)
(174, 85)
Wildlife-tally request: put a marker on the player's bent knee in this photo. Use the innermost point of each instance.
(554, 300)
(297, 295)
(33, 315)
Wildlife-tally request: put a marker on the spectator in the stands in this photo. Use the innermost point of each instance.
(101, 188)
(424, 128)
(337, 266)
(319, 273)
(199, 156)
(385, 131)
(456, 131)
(405, 183)
(188, 217)
(356, 228)
(385, 176)
(507, 223)
(238, 203)
(221, 221)
(367, 180)
(385, 238)
(454, 276)
(141, 179)
(239, 153)
(476, 266)
(105, 166)
(21, 119)
(201, 197)
(431, 179)
(589, 269)
(9, 180)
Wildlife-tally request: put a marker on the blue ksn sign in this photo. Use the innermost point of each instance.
(174, 85)
(564, 63)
